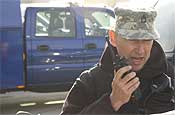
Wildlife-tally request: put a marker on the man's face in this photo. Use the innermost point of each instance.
(137, 52)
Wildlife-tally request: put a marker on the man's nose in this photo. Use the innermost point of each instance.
(140, 49)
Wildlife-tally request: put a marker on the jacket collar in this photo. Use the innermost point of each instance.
(155, 65)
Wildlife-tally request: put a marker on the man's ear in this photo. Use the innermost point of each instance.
(112, 37)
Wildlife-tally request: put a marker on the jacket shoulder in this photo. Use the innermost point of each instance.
(97, 81)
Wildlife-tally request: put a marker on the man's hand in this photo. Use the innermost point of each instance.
(122, 88)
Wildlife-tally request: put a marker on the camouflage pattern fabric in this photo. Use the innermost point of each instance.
(136, 23)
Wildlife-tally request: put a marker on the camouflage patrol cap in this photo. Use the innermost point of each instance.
(136, 23)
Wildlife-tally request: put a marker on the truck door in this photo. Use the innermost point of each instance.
(96, 22)
(55, 56)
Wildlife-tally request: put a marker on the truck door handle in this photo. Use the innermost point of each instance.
(43, 48)
(90, 46)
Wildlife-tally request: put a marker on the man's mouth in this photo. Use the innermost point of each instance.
(137, 60)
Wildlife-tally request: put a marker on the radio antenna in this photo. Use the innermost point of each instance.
(156, 4)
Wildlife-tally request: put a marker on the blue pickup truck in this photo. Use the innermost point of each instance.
(52, 46)
(48, 46)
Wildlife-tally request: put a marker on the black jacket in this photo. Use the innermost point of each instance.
(90, 92)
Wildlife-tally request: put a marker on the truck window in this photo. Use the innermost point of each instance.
(97, 22)
(55, 23)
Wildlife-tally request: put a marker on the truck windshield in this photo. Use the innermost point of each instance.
(97, 22)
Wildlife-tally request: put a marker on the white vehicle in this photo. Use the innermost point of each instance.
(165, 24)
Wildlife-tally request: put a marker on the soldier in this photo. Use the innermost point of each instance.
(144, 86)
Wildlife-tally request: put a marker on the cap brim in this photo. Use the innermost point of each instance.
(139, 34)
